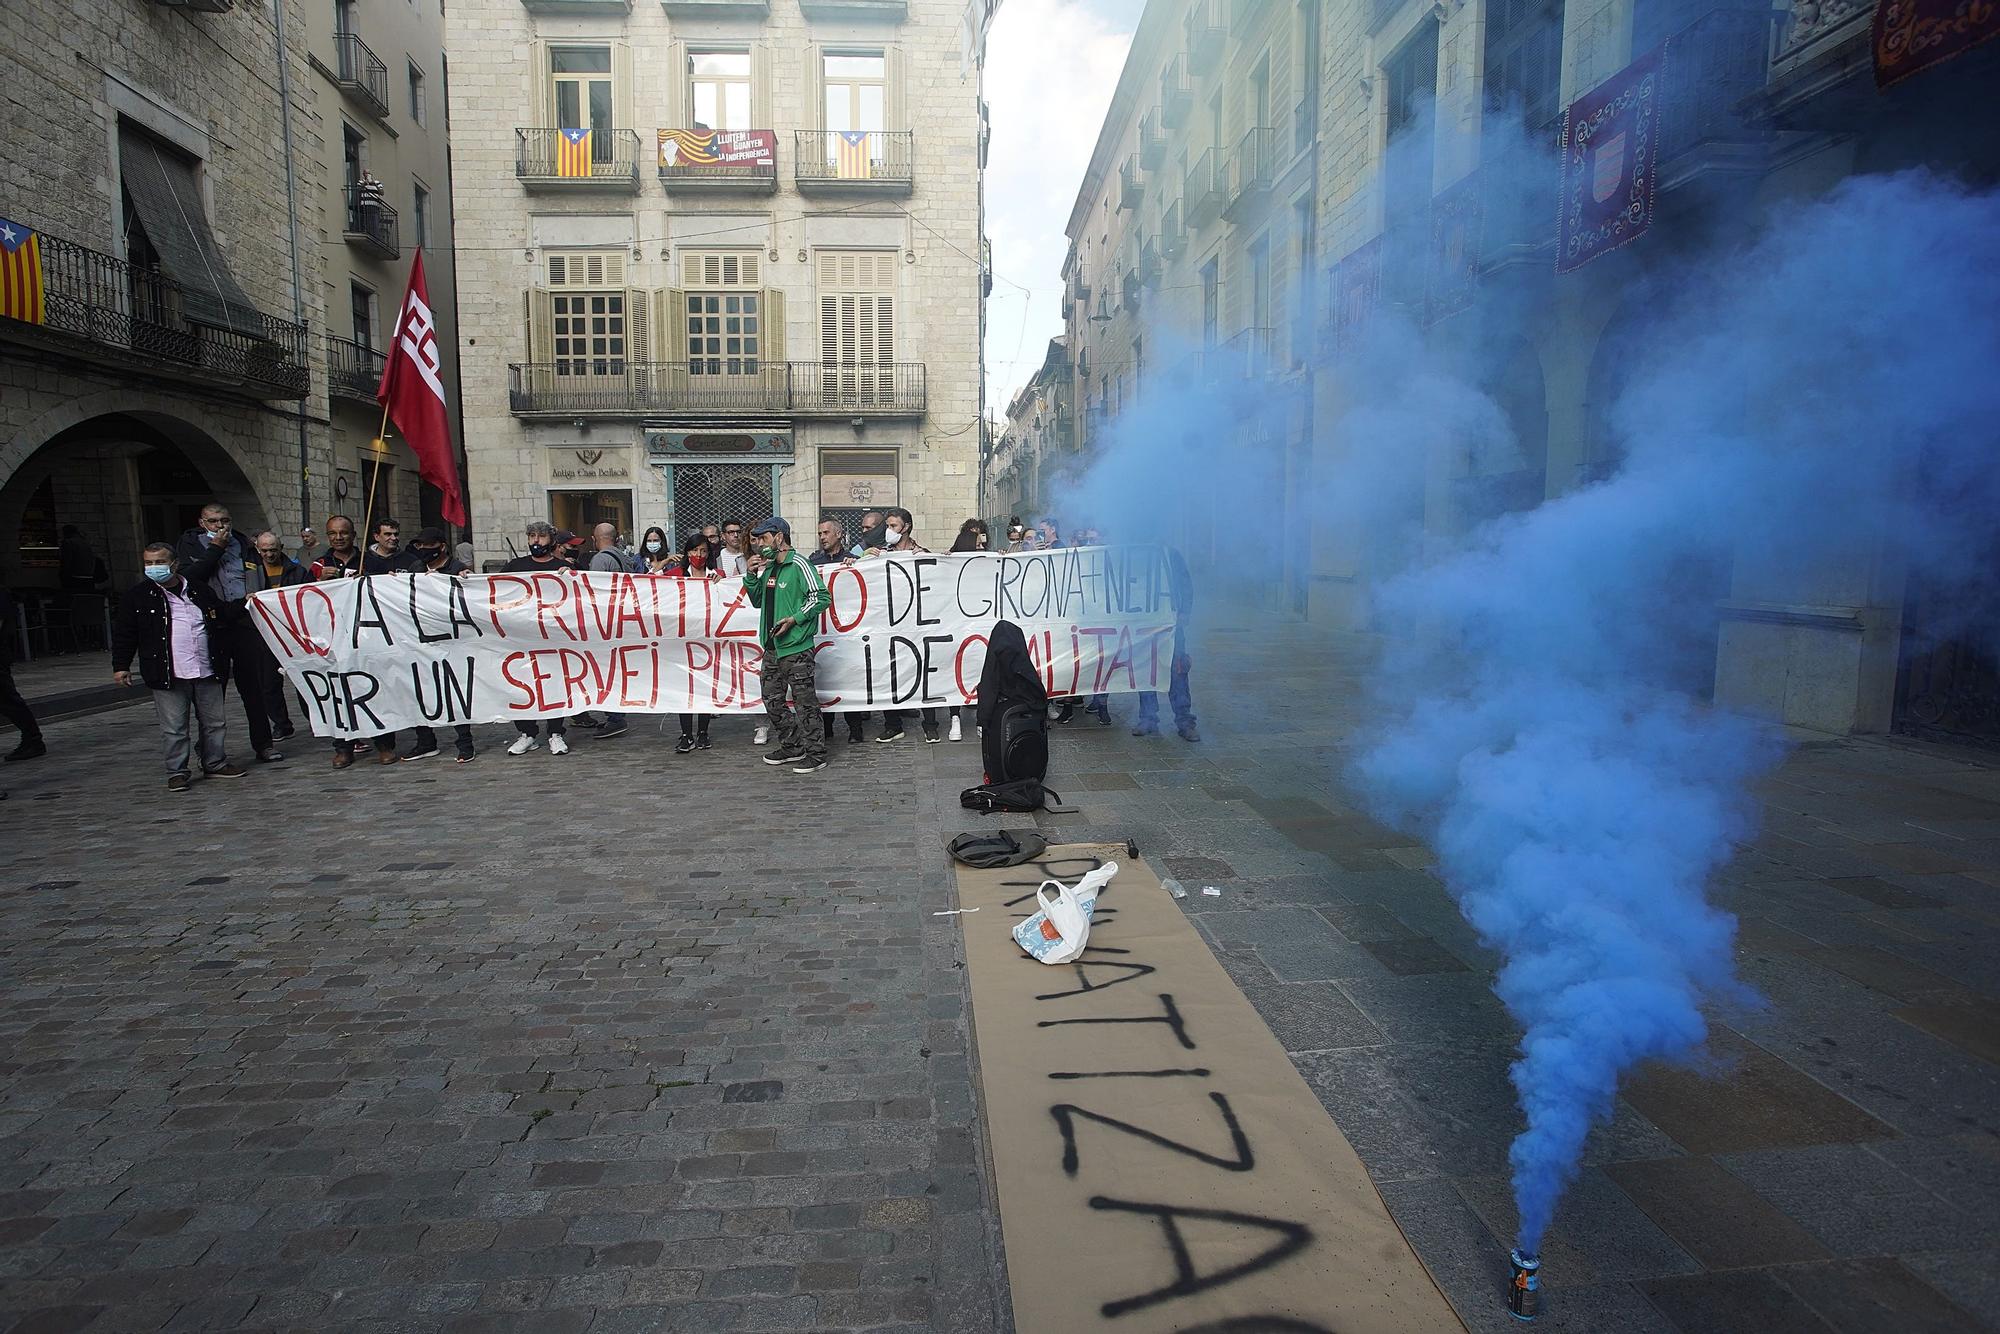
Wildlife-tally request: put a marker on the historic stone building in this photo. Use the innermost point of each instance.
(1034, 457)
(381, 191)
(718, 260)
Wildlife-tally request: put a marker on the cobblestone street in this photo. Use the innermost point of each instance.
(626, 1040)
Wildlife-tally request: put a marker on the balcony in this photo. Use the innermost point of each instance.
(370, 226)
(102, 309)
(353, 372)
(610, 161)
(1718, 61)
(578, 8)
(361, 74)
(1149, 262)
(728, 9)
(872, 162)
(985, 266)
(1176, 96)
(847, 11)
(634, 389)
(741, 164)
(1173, 236)
(1252, 171)
(1250, 355)
(1207, 33)
(1207, 192)
(1152, 141)
(1129, 288)
(1131, 186)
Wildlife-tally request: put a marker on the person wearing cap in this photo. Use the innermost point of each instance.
(789, 596)
(569, 548)
(430, 553)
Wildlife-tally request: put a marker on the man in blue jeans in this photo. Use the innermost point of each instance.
(174, 627)
(1182, 586)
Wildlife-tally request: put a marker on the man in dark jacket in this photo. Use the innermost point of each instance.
(12, 706)
(430, 553)
(272, 569)
(219, 558)
(174, 626)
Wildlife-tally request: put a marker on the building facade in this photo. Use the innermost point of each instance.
(154, 352)
(718, 260)
(381, 191)
(1034, 456)
(1384, 117)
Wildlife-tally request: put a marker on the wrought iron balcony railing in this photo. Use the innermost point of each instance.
(137, 318)
(1176, 96)
(1173, 234)
(1152, 141)
(361, 74)
(1207, 191)
(371, 223)
(1718, 60)
(1251, 172)
(1250, 355)
(609, 161)
(721, 385)
(859, 160)
(1131, 185)
(1206, 34)
(353, 372)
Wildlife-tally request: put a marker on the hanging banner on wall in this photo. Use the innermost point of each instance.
(1610, 156)
(1357, 290)
(371, 655)
(1451, 278)
(1910, 36)
(718, 148)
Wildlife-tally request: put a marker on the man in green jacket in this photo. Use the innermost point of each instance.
(789, 595)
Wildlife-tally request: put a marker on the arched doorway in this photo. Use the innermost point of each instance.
(121, 479)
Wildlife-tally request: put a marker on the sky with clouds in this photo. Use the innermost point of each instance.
(1051, 66)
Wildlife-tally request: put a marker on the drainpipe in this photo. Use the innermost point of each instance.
(292, 217)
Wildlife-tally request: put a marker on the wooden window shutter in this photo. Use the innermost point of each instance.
(762, 117)
(541, 90)
(678, 84)
(772, 315)
(624, 96)
(541, 326)
(674, 310)
(885, 328)
(815, 87)
(638, 326)
(895, 98)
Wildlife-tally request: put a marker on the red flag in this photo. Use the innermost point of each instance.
(413, 392)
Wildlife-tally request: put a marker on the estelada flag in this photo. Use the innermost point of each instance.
(413, 393)
(21, 289)
(573, 152)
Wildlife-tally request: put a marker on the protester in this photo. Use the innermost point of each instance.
(730, 560)
(464, 554)
(900, 539)
(972, 536)
(1050, 539)
(609, 558)
(832, 548)
(272, 569)
(12, 707)
(871, 537)
(174, 626)
(1181, 583)
(429, 554)
(697, 559)
(656, 554)
(543, 554)
(569, 549)
(341, 559)
(789, 596)
(384, 554)
(217, 557)
(307, 549)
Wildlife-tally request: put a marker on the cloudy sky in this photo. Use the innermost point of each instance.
(1051, 66)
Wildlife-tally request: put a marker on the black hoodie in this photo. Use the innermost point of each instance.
(1008, 676)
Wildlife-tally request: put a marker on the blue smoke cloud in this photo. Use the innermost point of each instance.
(1817, 398)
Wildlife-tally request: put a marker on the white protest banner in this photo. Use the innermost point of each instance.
(404, 650)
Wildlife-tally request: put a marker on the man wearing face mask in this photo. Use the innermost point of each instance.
(543, 554)
(872, 536)
(272, 569)
(789, 596)
(900, 539)
(429, 554)
(832, 550)
(173, 625)
(218, 557)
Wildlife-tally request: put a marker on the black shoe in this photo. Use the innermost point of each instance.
(27, 750)
(612, 730)
(887, 735)
(421, 752)
(586, 721)
(1188, 732)
(1146, 727)
(178, 783)
(1103, 717)
(855, 736)
(811, 764)
(702, 742)
(467, 756)
(930, 736)
(685, 746)
(1065, 713)
(283, 731)
(784, 755)
(227, 771)
(270, 755)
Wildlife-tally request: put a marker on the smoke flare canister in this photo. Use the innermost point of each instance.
(1524, 1289)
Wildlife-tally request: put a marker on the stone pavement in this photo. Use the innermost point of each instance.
(635, 1041)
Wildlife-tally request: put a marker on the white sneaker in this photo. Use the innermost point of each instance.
(763, 736)
(523, 744)
(558, 744)
(954, 733)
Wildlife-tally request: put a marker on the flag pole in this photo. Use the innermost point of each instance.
(375, 471)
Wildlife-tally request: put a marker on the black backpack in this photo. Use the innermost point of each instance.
(1017, 745)
(998, 847)
(1019, 795)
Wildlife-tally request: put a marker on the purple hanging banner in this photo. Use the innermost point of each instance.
(1610, 161)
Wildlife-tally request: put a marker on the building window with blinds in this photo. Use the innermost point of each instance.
(857, 326)
(585, 328)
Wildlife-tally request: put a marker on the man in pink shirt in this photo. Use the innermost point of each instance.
(170, 624)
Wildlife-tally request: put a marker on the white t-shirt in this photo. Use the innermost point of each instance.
(731, 563)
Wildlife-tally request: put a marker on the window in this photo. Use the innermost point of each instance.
(857, 324)
(419, 110)
(1260, 94)
(1211, 302)
(721, 84)
(581, 80)
(420, 208)
(588, 333)
(1304, 234)
(353, 153)
(1524, 58)
(725, 312)
(361, 305)
(857, 89)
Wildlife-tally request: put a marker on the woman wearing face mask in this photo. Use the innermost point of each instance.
(655, 555)
(692, 563)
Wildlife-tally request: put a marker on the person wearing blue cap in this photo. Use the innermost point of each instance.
(789, 596)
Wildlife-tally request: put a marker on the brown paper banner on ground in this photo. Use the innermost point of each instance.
(1160, 1163)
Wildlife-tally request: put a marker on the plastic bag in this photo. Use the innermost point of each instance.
(1060, 931)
